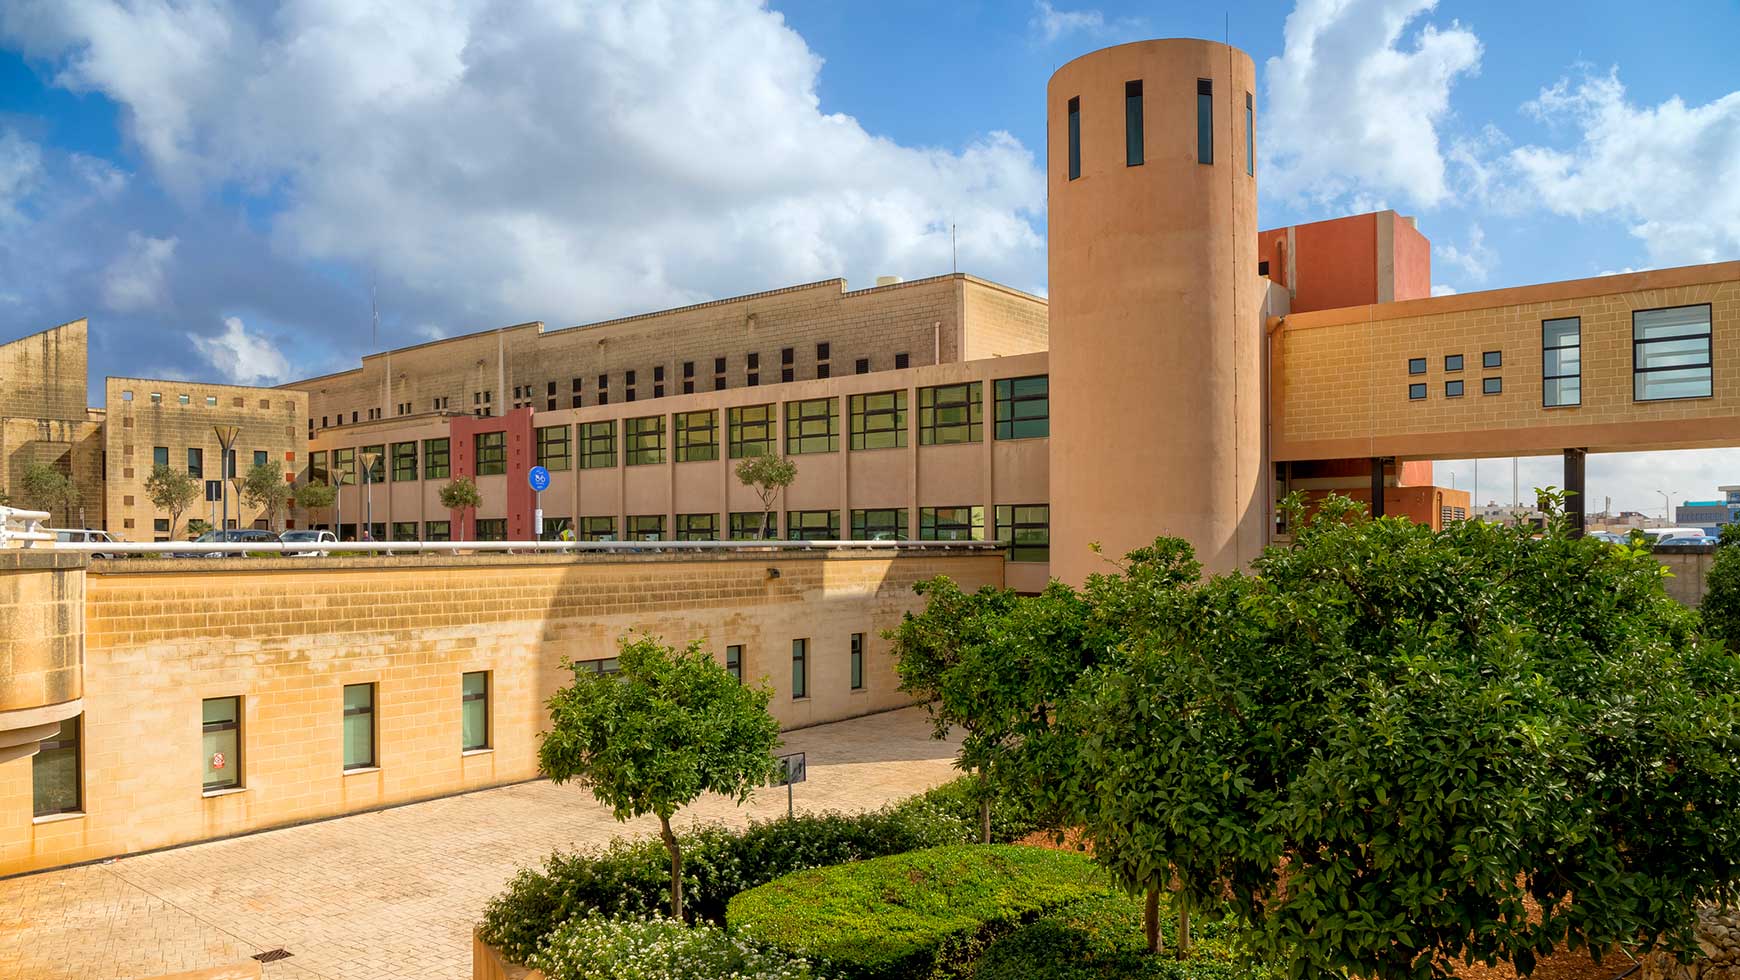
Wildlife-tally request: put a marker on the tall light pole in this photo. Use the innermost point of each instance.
(368, 462)
(1665, 503)
(226, 437)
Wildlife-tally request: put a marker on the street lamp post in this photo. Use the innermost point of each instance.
(226, 437)
(368, 462)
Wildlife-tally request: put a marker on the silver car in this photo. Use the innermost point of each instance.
(85, 535)
(321, 540)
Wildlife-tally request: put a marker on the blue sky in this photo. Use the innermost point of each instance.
(217, 185)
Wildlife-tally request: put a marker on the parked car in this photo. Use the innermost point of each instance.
(85, 535)
(246, 535)
(323, 540)
(1685, 541)
(1657, 535)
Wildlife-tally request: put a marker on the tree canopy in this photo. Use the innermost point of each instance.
(44, 487)
(265, 488)
(461, 494)
(1391, 750)
(315, 496)
(767, 474)
(650, 738)
(172, 490)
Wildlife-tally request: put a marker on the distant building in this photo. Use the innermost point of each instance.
(1710, 514)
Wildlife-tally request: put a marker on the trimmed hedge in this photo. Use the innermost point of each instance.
(599, 948)
(632, 877)
(920, 914)
(1102, 939)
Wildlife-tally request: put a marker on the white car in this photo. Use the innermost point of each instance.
(85, 535)
(322, 540)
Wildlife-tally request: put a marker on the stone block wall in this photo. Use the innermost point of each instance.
(287, 635)
(1718, 938)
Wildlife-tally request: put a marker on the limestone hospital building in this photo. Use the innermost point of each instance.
(1186, 371)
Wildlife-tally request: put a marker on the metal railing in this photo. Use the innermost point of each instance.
(22, 528)
(311, 548)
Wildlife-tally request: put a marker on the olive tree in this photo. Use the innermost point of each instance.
(315, 496)
(44, 487)
(767, 474)
(265, 488)
(172, 490)
(666, 727)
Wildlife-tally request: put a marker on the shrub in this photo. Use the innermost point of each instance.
(631, 877)
(911, 915)
(598, 948)
(1721, 604)
(1102, 939)
(1012, 816)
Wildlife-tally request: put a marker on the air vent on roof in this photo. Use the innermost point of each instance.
(887, 280)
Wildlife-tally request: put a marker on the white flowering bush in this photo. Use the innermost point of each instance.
(598, 948)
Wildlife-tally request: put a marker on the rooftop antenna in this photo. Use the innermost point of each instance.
(374, 317)
(954, 255)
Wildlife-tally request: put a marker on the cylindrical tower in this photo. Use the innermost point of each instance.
(1156, 305)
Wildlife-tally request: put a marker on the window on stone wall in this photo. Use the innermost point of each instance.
(749, 526)
(646, 527)
(1417, 392)
(375, 463)
(951, 523)
(643, 440)
(800, 669)
(474, 711)
(1027, 529)
(1562, 362)
(1133, 123)
(1670, 351)
(1074, 138)
(951, 414)
(437, 463)
(697, 527)
(750, 430)
(491, 450)
(404, 461)
(857, 661)
(812, 525)
(54, 771)
(1492, 386)
(697, 436)
(404, 530)
(344, 467)
(1204, 120)
(259, 457)
(598, 445)
(491, 529)
(359, 726)
(221, 723)
(1024, 407)
(812, 426)
(1416, 365)
(553, 451)
(734, 661)
(195, 462)
(598, 529)
(1453, 389)
(437, 530)
(884, 524)
(159, 456)
(878, 421)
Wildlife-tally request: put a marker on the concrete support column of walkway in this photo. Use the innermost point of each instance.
(1574, 490)
(1377, 486)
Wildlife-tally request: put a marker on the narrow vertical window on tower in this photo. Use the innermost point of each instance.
(1204, 121)
(1074, 138)
(1133, 123)
(1250, 137)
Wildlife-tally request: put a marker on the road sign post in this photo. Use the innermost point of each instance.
(793, 769)
(539, 479)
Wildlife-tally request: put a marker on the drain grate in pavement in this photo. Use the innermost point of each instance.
(272, 955)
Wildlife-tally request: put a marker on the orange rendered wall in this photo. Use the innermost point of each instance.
(1413, 261)
(1422, 505)
(1335, 263)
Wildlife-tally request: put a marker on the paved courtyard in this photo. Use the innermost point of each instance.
(392, 893)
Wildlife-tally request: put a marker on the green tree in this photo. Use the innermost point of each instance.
(1390, 743)
(172, 490)
(315, 496)
(44, 487)
(1720, 606)
(767, 474)
(668, 726)
(992, 664)
(265, 487)
(461, 494)
(197, 527)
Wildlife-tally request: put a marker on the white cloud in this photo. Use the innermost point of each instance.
(20, 168)
(1353, 108)
(241, 357)
(135, 280)
(505, 160)
(1672, 171)
(1441, 289)
(1050, 23)
(1475, 259)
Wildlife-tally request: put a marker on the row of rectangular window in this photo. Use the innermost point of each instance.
(210, 400)
(524, 396)
(57, 787)
(1670, 358)
(948, 415)
(800, 665)
(1135, 138)
(196, 460)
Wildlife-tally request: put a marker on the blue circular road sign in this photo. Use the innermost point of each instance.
(539, 478)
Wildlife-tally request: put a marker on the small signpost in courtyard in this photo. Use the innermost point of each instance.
(539, 478)
(793, 769)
